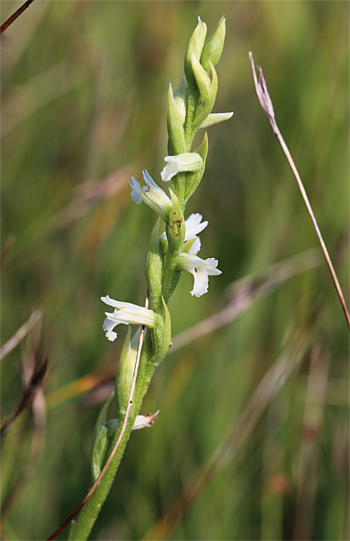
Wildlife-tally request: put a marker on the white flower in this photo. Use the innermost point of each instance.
(152, 195)
(188, 161)
(194, 226)
(127, 313)
(200, 269)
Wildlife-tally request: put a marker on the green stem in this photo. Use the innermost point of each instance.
(88, 515)
(171, 275)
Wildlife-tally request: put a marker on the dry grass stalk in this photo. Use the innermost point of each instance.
(266, 104)
(20, 334)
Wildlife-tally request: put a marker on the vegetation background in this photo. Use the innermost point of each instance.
(84, 88)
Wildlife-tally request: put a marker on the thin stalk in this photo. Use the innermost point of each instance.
(266, 104)
(15, 15)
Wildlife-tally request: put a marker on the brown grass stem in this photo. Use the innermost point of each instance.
(20, 334)
(267, 106)
(15, 15)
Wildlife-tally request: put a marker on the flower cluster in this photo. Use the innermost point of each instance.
(189, 109)
(201, 269)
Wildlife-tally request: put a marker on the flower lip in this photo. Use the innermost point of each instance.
(187, 161)
(126, 313)
(200, 269)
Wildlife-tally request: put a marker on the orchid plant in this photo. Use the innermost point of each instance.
(189, 109)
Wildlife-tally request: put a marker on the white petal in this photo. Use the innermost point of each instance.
(189, 262)
(149, 180)
(128, 314)
(109, 301)
(108, 327)
(136, 190)
(211, 267)
(196, 246)
(168, 172)
(136, 198)
(188, 161)
(200, 269)
(152, 195)
(201, 281)
(194, 226)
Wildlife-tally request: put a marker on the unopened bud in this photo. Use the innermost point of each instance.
(180, 97)
(175, 121)
(202, 79)
(195, 47)
(213, 46)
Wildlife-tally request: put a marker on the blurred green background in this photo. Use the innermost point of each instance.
(83, 108)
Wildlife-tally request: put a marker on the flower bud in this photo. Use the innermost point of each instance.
(151, 194)
(213, 46)
(195, 46)
(126, 370)
(180, 97)
(204, 109)
(202, 79)
(175, 123)
(100, 446)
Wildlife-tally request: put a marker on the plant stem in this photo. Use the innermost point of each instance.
(89, 513)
